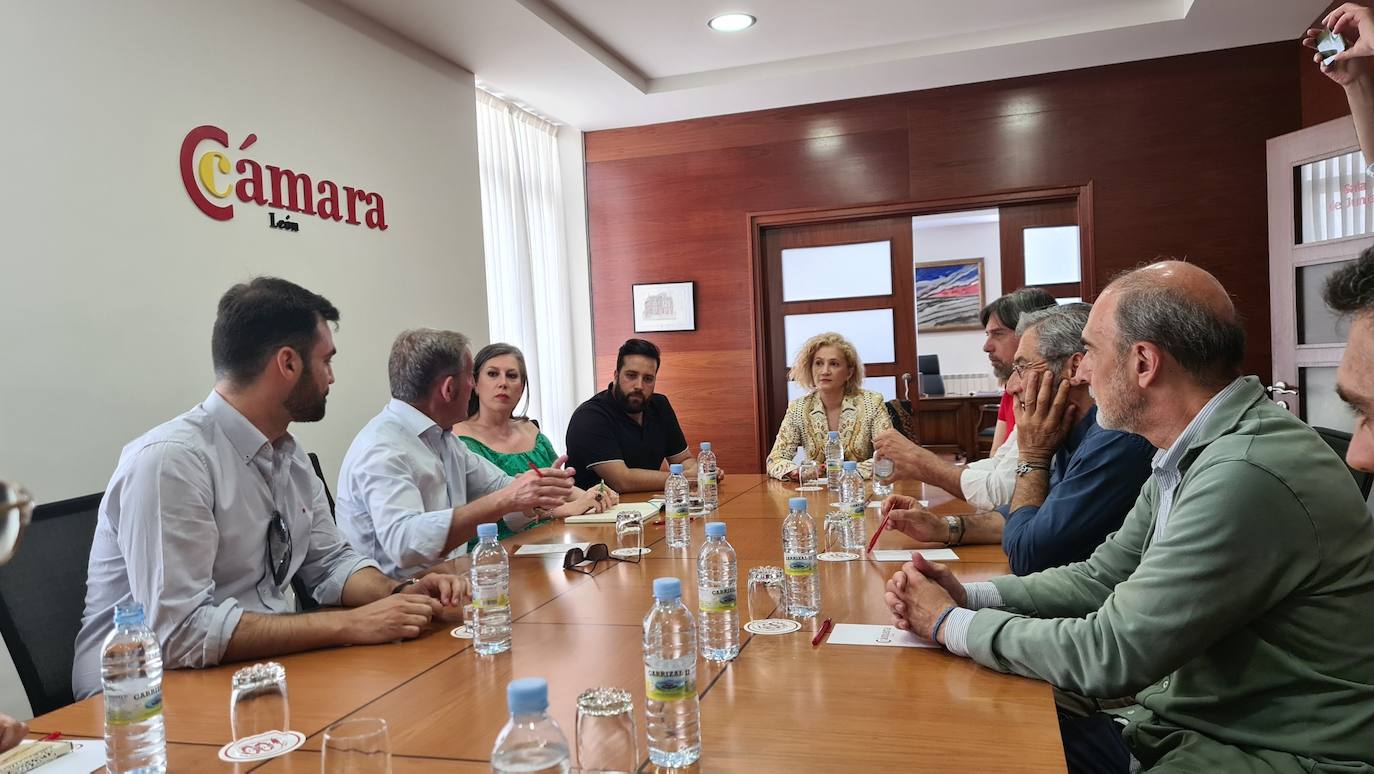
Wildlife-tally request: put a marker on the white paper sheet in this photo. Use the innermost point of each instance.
(542, 549)
(873, 634)
(88, 756)
(904, 554)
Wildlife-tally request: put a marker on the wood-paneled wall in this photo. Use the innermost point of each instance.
(1174, 149)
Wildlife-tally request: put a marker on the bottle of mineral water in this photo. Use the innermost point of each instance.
(131, 675)
(677, 511)
(834, 455)
(853, 500)
(716, 591)
(802, 588)
(706, 478)
(490, 577)
(672, 714)
(531, 740)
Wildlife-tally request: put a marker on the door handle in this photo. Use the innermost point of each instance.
(906, 387)
(1280, 387)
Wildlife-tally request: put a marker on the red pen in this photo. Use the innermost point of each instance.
(825, 627)
(873, 541)
(535, 469)
(53, 737)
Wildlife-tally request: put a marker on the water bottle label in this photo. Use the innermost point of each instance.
(679, 511)
(799, 565)
(670, 684)
(716, 599)
(490, 597)
(832, 466)
(856, 510)
(129, 708)
(706, 479)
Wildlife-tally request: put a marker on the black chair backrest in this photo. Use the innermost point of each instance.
(928, 365)
(1339, 443)
(42, 597)
(932, 385)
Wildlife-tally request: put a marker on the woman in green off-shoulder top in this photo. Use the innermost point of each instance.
(511, 442)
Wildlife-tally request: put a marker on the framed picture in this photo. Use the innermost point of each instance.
(668, 306)
(949, 295)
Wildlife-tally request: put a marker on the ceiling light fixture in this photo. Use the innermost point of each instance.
(731, 22)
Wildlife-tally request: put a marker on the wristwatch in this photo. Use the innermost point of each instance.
(405, 584)
(956, 531)
(1026, 467)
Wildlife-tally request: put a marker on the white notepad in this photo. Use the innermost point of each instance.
(873, 634)
(645, 511)
(542, 549)
(904, 554)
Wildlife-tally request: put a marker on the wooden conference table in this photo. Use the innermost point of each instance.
(781, 705)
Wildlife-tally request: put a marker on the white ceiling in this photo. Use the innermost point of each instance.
(597, 64)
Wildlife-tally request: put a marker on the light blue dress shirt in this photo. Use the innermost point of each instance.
(182, 529)
(401, 479)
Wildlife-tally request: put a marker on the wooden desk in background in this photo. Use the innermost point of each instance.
(950, 424)
(781, 705)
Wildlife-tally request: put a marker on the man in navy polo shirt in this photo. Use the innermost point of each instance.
(625, 433)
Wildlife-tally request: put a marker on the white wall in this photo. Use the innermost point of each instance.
(570, 158)
(960, 351)
(111, 275)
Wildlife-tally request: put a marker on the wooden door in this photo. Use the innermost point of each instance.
(1044, 246)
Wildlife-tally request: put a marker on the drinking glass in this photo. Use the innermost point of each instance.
(806, 473)
(765, 592)
(357, 746)
(837, 526)
(257, 701)
(629, 534)
(882, 468)
(606, 737)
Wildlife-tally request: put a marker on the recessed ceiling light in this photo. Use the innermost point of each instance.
(731, 22)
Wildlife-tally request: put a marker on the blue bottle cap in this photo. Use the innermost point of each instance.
(834, 434)
(528, 694)
(706, 446)
(797, 503)
(666, 589)
(715, 529)
(849, 465)
(487, 530)
(675, 468)
(128, 614)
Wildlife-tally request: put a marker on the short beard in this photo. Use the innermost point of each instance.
(1132, 408)
(306, 402)
(624, 400)
(1002, 372)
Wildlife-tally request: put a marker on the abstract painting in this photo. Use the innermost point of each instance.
(949, 295)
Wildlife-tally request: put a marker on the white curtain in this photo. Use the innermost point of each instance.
(527, 278)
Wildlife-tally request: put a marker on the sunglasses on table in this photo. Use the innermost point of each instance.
(596, 553)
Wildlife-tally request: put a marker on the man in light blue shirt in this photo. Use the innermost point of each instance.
(410, 494)
(210, 516)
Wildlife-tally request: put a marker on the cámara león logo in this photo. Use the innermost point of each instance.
(215, 176)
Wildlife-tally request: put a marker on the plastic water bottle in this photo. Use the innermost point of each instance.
(490, 576)
(882, 468)
(677, 512)
(717, 590)
(834, 455)
(131, 675)
(802, 587)
(672, 714)
(706, 478)
(531, 740)
(853, 500)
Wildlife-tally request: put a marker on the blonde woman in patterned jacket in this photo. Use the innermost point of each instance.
(830, 368)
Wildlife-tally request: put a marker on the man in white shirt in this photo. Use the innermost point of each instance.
(410, 494)
(210, 516)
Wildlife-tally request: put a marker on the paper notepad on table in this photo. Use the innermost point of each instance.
(904, 554)
(86, 755)
(542, 549)
(879, 503)
(873, 634)
(645, 511)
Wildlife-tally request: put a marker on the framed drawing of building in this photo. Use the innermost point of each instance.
(949, 295)
(667, 306)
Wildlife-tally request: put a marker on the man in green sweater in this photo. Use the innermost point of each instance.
(1236, 603)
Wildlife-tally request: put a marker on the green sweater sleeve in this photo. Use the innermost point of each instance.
(1078, 589)
(1237, 541)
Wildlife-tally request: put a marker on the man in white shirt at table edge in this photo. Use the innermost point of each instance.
(209, 517)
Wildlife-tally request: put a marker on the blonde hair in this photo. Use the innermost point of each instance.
(801, 367)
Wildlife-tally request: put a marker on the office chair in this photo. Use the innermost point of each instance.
(42, 597)
(928, 369)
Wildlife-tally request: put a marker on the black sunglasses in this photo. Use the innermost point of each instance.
(278, 548)
(596, 553)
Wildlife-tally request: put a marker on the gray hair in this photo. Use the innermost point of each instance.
(421, 357)
(1060, 329)
(1208, 346)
